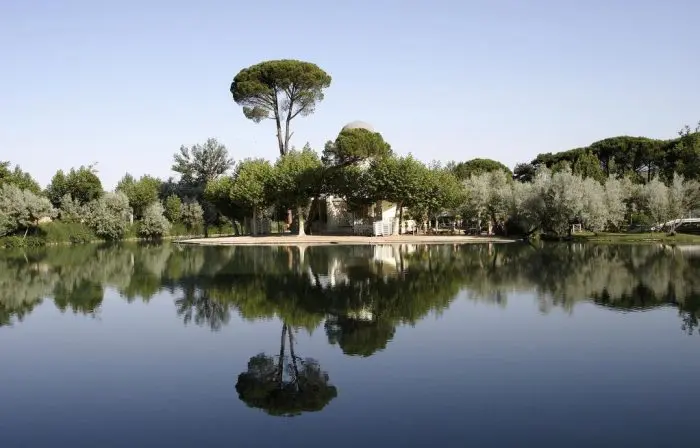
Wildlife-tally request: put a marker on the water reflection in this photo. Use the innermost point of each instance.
(357, 294)
(285, 384)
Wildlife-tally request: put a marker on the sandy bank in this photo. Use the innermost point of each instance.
(293, 240)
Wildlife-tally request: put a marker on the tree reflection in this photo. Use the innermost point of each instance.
(196, 305)
(358, 294)
(285, 384)
(358, 336)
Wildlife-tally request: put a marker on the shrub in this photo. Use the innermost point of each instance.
(66, 232)
(71, 210)
(13, 242)
(108, 216)
(154, 224)
(173, 208)
(22, 209)
(191, 215)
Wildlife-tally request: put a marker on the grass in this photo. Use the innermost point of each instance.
(656, 237)
(58, 232)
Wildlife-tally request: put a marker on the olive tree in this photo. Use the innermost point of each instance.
(279, 90)
(594, 208)
(191, 215)
(489, 196)
(109, 216)
(22, 209)
(154, 224)
(617, 195)
(656, 197)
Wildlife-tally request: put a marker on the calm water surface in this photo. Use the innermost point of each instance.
(480, 345)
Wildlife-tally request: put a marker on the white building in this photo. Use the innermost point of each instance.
(377, 219)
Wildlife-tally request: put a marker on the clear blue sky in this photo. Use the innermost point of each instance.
(125, 83)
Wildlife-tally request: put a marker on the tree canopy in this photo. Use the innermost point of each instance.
(201, 163)
(295, 181)
(465, 170)
(82, 184)
(353, 146)
(280, 90)
(141, 193)
(17, 177)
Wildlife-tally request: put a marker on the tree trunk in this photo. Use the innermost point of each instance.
(25, 232)
(400, 220)
(280, 365)
(316, 201)
(287, 135)
(293, 355)
(300, 215)
(280, 142)
(254, 226)
(396, 230)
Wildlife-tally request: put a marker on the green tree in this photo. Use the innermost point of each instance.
(57, 188)
(109, 216)
(400, 180)
(197, 166)
(524, 172)
(295, 181)
(218, 193)
(279, 90)
(474, 167)
(251, 186)
(70, 210)
(141, 193)
(203, 163)
(19, 178)
(173, 208)
(191, 215)
(22, 209)
(154, 225)
(353, 146)
(285, 385)
(81, 184)
(588, 165)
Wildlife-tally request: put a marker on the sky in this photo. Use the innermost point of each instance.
(125, 83)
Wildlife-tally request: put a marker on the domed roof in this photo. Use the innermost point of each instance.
(358, 125)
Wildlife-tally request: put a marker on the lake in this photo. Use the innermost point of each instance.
(446, 345)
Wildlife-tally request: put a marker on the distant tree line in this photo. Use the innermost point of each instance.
(610, 185)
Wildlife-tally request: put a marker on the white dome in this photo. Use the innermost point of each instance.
(358, 125)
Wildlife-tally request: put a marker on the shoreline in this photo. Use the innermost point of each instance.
(324, 240)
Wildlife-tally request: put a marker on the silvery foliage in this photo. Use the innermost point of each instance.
(154, 224)
(109, 216)
(551, 202)
(617, 194)
(489, 197)
(191, 214)
(71, 210)
(21, 209)
(594, 211)
(656, 199)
